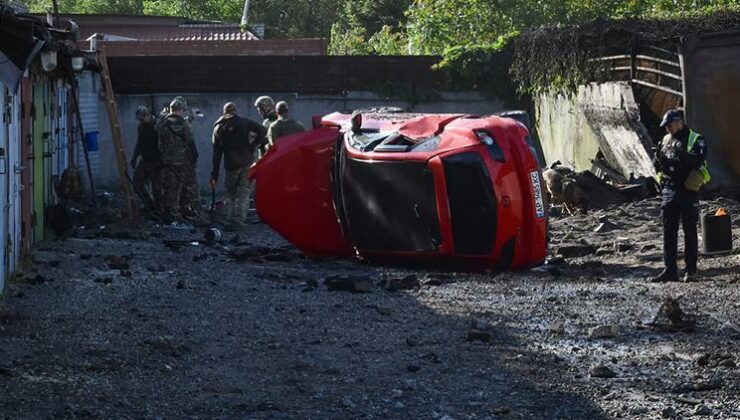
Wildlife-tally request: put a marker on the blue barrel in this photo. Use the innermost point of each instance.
(91, 138)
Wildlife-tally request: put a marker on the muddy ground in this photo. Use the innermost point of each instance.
(149, 321)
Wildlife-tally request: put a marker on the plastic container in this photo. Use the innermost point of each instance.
(716, 233)
(91, 138)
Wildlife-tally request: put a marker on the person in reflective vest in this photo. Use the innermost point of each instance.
(681, 163)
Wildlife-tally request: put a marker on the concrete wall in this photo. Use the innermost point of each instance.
(303, 107)
(599, 117)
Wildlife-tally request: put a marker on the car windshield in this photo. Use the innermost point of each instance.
(390, 142)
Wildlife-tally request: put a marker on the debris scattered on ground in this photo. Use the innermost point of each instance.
(603, 331)
(606, 227)
(671, 318)
(601, 371)
(265, 254)
(716, 360)
(703, 410)
(354, 284)
(557, 327)
(394, 283)
(575, 251)
(340, 355)
(480, 330)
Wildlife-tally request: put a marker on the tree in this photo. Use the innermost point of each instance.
(282, 19)
(370, 27)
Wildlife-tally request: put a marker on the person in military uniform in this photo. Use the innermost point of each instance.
(266, 109)
(284, 125)
(680, 161)
(190, 195)
(175, 143)
(147, 170)
(232, 140)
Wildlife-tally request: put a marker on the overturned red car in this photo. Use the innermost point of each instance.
(453, 189)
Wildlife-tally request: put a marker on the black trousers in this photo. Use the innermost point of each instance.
(680, 205)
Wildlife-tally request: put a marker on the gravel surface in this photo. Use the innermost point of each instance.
(151, 322)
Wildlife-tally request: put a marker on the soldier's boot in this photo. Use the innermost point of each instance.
(665, 276)
(690, 276)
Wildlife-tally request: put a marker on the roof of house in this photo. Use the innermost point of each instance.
(181, 32)
(157, 28)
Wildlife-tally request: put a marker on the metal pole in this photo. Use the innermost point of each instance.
(56, 14)
(245, 14)
(75, 94)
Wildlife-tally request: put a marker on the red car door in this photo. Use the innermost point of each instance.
(294, 193)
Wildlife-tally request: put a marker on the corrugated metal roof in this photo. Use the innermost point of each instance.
(183, 32)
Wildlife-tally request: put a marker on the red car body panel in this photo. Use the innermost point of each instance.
(294, 192)
(306, 190)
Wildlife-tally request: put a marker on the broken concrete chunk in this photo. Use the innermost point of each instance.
(604, 251)
(671, 318)
(703, 410)
(603, 331)
(668, 412)
(402, 283)
(605, 226)
(575, 251)
(557, 327)
(601, 371)
(354, 284)
(623, 246)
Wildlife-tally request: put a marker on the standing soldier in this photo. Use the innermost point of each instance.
(175, 141)
(680, 161)
(190, 195)
(266, 108)
(283, 126)
(146, 172)
(231, 138)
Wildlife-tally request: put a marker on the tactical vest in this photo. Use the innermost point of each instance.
(693, 137)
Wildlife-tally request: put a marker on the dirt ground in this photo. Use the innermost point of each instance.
(149, 321)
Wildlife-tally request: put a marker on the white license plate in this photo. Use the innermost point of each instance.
(539, 204)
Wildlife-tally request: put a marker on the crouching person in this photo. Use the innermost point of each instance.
(231, 136)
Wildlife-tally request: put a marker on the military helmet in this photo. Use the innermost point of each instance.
(264, 102)
(229, 108)
(141, 112)
(281, 108)
(178, 104)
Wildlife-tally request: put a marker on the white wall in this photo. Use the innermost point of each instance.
(573, 128)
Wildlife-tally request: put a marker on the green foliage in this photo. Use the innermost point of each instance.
(484, 68)
(282, 19)
(368, 27)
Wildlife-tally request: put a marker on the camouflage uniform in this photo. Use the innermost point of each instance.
(190, 195)
(149, 167)
(282, 127)
(232, 140)
(175, 140)
(267, 122)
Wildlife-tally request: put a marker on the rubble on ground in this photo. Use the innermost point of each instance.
(120, 320)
